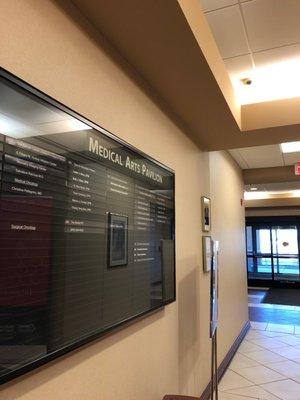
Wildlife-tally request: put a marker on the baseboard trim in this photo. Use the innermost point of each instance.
(221, 370)
(226, 361)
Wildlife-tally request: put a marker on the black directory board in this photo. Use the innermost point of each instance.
(86, 230)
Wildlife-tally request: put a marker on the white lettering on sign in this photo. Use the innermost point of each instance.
(135, 166)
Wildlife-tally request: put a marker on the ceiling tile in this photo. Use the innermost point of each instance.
(238, 158)
(228, 30)
(239, 66)
(262, 156)
(291, 158)
(279, 54)
(282, 186)
(208, 5)
(272, 23)
(274, 187)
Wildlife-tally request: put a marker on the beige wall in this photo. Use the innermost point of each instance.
(168, 351)
(229, 226)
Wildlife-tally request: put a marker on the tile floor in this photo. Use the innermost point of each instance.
(266, 366)
(273, 313)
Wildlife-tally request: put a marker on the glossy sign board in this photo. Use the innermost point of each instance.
(86, 230)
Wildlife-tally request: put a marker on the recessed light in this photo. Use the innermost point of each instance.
(290, 147)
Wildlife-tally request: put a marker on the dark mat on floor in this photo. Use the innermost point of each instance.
(288, 297)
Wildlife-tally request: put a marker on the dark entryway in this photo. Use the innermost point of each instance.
(273, 251)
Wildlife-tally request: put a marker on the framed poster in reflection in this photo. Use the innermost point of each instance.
(117, 240)
(206, 214)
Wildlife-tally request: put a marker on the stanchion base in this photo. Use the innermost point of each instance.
(178, 397)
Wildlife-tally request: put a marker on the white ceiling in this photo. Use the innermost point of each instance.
(264, 156)
(252, 34)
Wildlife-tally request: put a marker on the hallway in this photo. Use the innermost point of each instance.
(149, 174)
(266, 366)
(287, 316)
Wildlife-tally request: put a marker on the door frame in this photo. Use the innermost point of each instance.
(268, 222)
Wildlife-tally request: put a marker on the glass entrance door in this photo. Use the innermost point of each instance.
(273, 253)
(264, 252)
(285, 253)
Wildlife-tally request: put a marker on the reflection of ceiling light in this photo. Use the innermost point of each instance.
(12, 127)
(290, 147)
(76, 125)
(3, 126)
(253, 188)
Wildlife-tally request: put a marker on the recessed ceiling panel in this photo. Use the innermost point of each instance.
(208, 5)
(282, 186)
(228, 30)
(238, 158)
(275, 187)
(272, 23)
(262, 156)
(291, 158)
(239, 66)
(278, 55)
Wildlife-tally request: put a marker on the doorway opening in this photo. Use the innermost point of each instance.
(273, 251)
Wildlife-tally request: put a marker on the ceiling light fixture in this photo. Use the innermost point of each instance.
(256, 195)
(271, 195)
(290, 147)
(274, 81)
(253, 188)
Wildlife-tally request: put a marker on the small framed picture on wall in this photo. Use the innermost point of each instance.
(117, 240)
(206, 214)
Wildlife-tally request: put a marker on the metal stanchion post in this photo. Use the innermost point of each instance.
(214, 318)
(216, 364)
(212, 380)
(214, 393)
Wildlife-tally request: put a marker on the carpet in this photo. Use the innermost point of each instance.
(288, 297)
